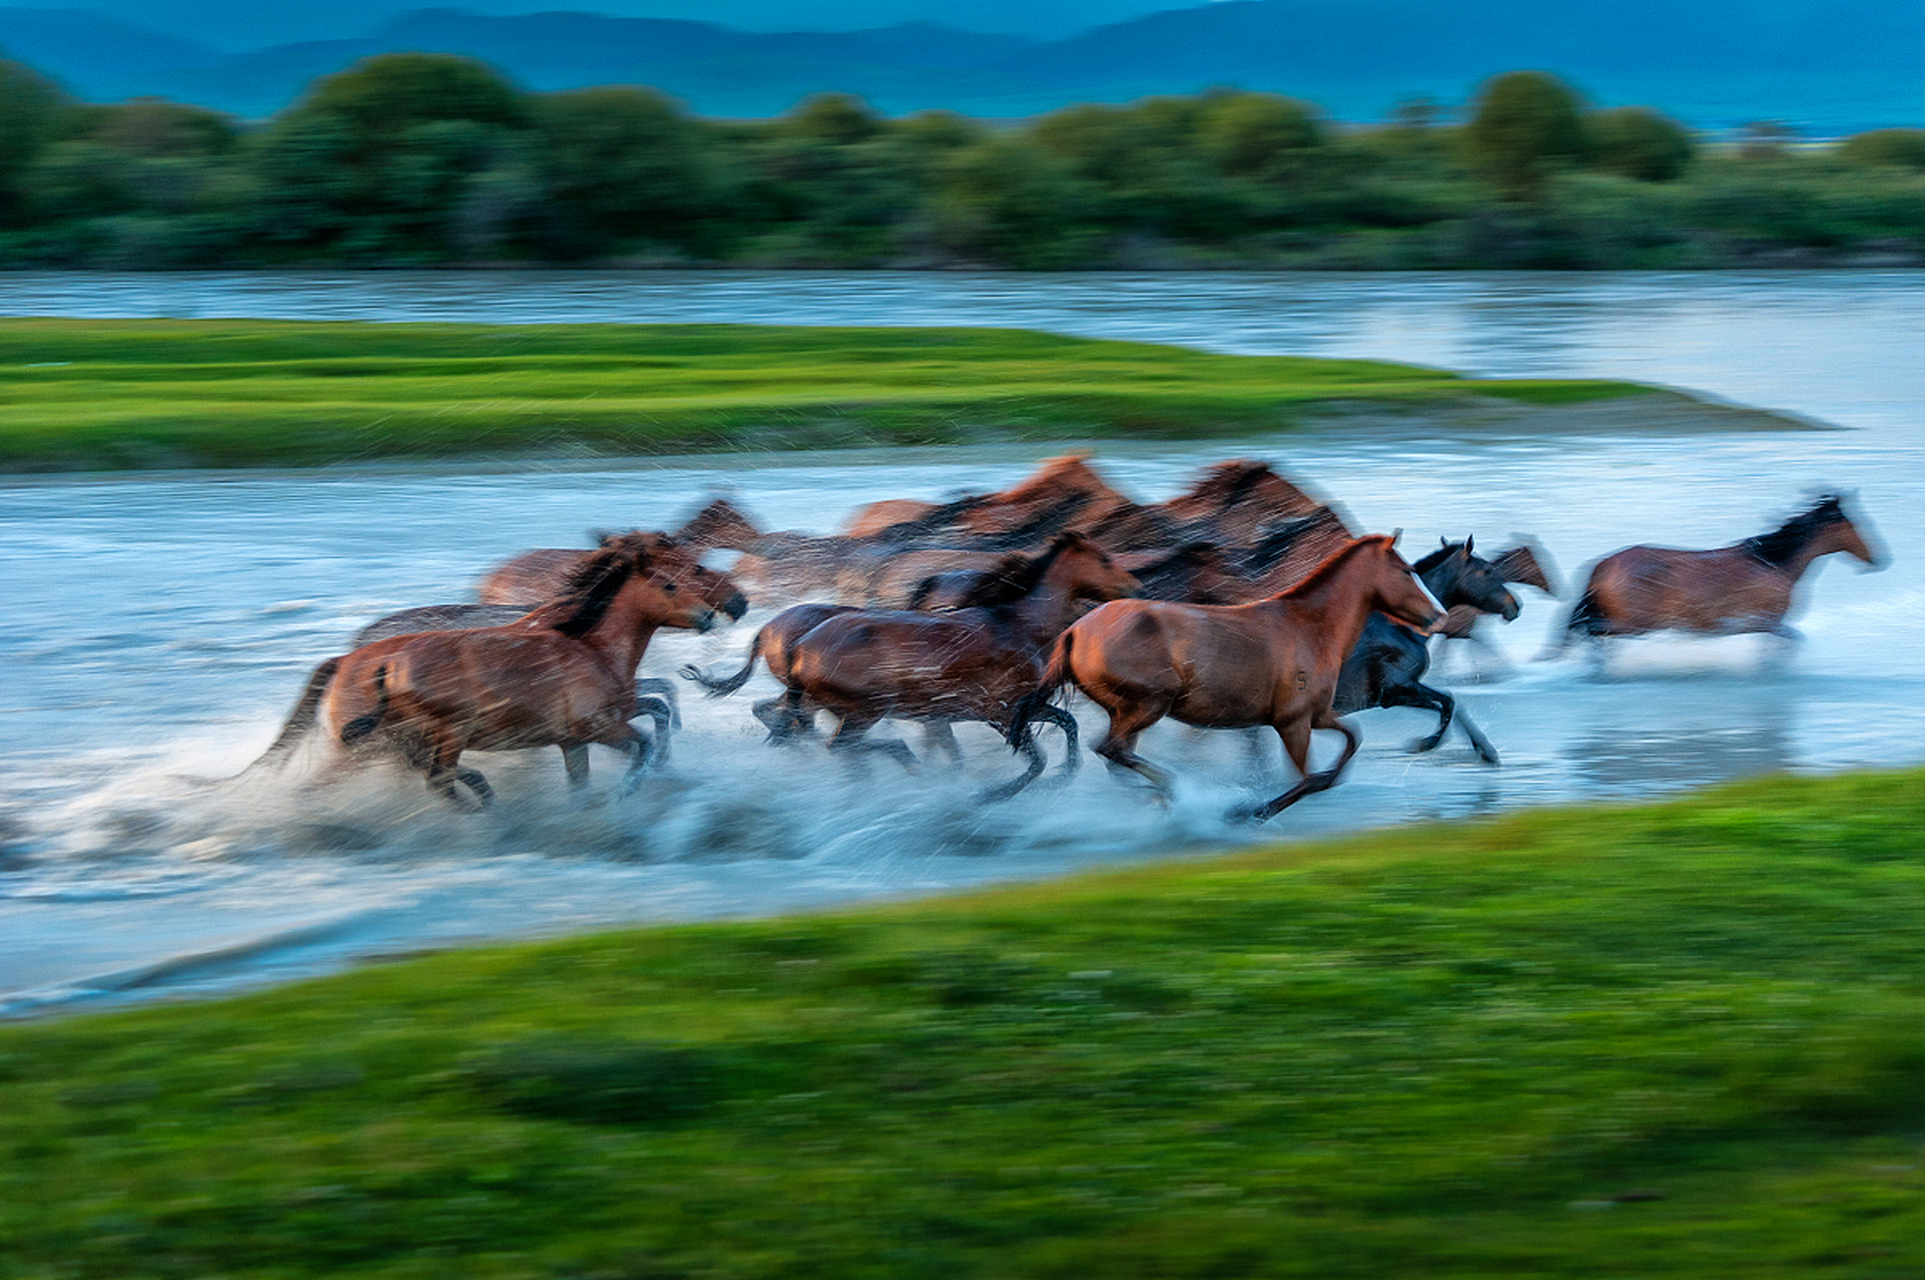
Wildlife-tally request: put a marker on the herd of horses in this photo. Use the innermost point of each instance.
(1243, 602)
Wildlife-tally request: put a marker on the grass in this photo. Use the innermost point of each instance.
(1675, 1040)
(116, 394)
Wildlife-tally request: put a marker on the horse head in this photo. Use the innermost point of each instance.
(1084, 570)
(1396, 589)
(719, 524)
(673, 587)
(1456, 574)
(1839, 532)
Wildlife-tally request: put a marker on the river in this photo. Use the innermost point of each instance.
(166, 622)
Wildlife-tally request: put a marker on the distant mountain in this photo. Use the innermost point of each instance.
(1830, 64)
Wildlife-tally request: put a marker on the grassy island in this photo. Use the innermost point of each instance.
(1671, 1040)
(119, 394)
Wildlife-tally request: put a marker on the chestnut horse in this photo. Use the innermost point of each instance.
(1272, 662)
(562, 675)
(972, 663)
(534, 577)
(1745, 587)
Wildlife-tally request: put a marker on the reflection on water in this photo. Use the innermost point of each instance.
(1686, 739)
(175, 618)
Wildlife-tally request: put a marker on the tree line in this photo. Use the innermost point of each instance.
(423, 159)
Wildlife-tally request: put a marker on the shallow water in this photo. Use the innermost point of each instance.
(175, 617)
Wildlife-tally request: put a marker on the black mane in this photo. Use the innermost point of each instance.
(1782, 544)
(1437, 557)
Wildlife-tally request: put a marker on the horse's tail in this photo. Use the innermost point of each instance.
(721, 686)
(1031, 704)
(1585, 619)
(301, 719)
(363, 725)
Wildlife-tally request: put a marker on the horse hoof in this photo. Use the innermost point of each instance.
(1420, 745)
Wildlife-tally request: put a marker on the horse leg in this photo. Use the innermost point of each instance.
(1118, 746)
(1427, 698)
(662, 713)
(785, 716)
(1024, 742)
(937, 735)
(1296, 742)
(574, 758)
(848, 739)
(664, 691)
(1072, 748)
(1479, 743)
(444, 773)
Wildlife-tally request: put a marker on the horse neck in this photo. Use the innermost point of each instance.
(622, 635)
(1046, 612)
(1337, 605)
(1821, 543)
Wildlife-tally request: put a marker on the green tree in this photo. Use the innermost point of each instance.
(1637, 142)
(1892, 148)
(378, 161)
(1007, 200)
(33, 113)
(1524, 126)
(617, 165)
(1256, 135)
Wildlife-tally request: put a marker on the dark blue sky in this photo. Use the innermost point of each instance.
(239, 24)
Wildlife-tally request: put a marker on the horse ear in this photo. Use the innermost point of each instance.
(1394, 535)
(602, 537)
(1469, 543)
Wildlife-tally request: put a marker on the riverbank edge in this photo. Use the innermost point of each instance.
(1697, 1007)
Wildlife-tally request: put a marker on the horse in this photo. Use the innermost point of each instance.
(534, 577)
(1193, 573)
(654, 698)
(1233, 502)
(972, 663)
(1288, 552)
(562, 675)
(1271, 662)
(1743, 588)
(1387, 667)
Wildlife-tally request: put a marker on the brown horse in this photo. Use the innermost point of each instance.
(1194, 573)
(1273, 662)
(1289, 552)
(537, 576)
(1745, 587)
(973, 663)
(563, 675)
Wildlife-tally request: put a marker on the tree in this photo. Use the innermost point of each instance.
(1896, 148)
(1525, 125)
(1256, 135)
(33, 113)
(616, 164)
(1636, 142)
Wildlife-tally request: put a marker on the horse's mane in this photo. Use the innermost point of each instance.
(1437, 557)
(1783, 543)
(932, 520)
(592, 587)
(1015, 577)
(1331, 565)
(1278, 539)
(1186, 556)
(1227, 482)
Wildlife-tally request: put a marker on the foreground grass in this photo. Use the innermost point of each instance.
(1675, 1040)
(93, 394)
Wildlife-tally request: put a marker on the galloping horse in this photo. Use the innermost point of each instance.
(973, 663)
(563, 675)
(1387, 667)
(1273, 662)
(536, 576)
(1745, 587)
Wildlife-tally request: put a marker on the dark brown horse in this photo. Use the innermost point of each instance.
(1387, 667)
(1524, 564)
(563, 675)
(1274, 662)
(867, 665)
(537, 576)
(1745, 587)
(1194, 573)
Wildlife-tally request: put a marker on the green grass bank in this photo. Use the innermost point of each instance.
(1673, 1040)
(116, 394)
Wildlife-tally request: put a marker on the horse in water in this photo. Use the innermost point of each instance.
(972, 663)
(535, 577)
(1271, 662)
(562, 675)
(1387, 667)
(1746, 587)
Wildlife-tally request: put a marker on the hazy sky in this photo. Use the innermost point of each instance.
(237, 24)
